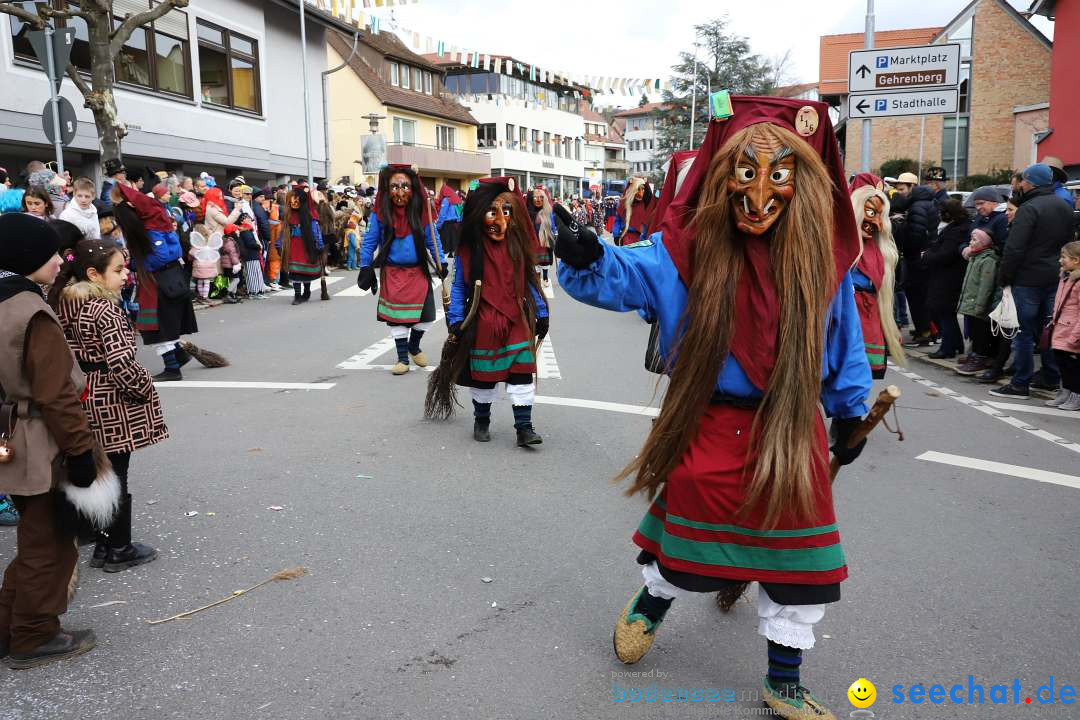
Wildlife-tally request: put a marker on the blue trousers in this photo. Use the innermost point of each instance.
(351, 260)
(1034, 307)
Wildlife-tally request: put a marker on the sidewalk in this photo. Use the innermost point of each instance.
(922, 355)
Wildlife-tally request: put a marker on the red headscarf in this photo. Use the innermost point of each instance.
(867, 179)
(757, 307)
(450, 194)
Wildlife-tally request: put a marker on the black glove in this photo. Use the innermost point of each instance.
(444, 270)
(455, 329)
(842, 429)
(542, 325)
(575, 245)
(81, 469)
(367, 280)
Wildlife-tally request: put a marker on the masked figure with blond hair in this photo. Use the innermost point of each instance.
(874, 275)
(749, 280)
(634, 219)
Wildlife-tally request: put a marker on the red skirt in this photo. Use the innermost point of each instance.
(301, 267)
(694, 525)
(873, 336)
(503, 347)
(403, 295)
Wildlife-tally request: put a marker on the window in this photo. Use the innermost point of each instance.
(558, 146)
(445, 137)
(228, 68)
(404, 131)
(950, 141)
(577, 149)
(523, 139)
(427, 82)
(485, 135)
(406, 77)
(511, 140)
(536, 141)
(155, 57)
(547, 143)
(965, 86)
(395, 77)
(418, 80)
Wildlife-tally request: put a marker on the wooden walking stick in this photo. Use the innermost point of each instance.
(438, 253)
(877, 413)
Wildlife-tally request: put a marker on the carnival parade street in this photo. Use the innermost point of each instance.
(455, 579)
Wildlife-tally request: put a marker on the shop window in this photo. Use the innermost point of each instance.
(228, 68)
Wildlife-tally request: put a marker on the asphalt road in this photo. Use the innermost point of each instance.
(955, 569)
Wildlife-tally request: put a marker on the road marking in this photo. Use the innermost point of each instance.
(362, 360)
(1036, 409)
(598, 405)
(1019, 471)
(547, 367)
(989, 410)
(238, 385)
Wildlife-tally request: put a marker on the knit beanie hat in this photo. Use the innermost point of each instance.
(980, 239)
(988, 193)
(26, 243)
(1039, 175)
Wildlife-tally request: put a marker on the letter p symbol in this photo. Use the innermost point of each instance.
(882, 61)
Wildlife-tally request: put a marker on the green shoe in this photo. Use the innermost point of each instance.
(804, 706)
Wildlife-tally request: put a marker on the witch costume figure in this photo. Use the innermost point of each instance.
(538, 201)
(634, 219)
(874, 274)
(448, 223)
(305, 242)
(497, 313)
(749, 280)
(401, 243)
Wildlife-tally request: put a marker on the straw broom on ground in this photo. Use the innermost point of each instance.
(287, 574)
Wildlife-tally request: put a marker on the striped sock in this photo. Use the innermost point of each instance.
(171, 363)
(414, 341)
(482, 411)
(522, 415)
(402, 349)
(784, 665)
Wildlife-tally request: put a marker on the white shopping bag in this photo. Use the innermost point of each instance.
(1003, 318)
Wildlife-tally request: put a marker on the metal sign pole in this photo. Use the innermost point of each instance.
(307, 103)
(51, 63)
(864, 164)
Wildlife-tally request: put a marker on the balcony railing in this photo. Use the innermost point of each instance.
(435, 159)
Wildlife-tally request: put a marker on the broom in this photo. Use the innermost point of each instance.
(287, 574)
(441, 398)
(206, 358)
(323, 295)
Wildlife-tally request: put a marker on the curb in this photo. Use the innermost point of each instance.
(950, 366)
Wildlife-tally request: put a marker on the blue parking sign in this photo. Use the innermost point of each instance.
(881, 105)
(882, 61)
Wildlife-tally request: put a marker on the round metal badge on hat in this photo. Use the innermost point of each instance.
(511, 183)
(806, 121)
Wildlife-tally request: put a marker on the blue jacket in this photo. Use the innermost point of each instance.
(1065, 194)
(645, 278)
(459, 294)
(402, 249)
(164, 249)
(106, 193)
(996, 225)
(448, 212)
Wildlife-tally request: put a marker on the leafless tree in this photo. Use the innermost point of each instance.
(105, 43)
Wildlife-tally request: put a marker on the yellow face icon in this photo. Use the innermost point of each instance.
(862, 693)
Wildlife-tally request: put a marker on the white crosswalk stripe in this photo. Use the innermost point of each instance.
(330, 280)
(547, 367)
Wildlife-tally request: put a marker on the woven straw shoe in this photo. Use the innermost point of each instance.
(804, 706)
(634, 633)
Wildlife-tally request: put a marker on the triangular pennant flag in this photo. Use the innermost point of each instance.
(441, 49)
(487, 63)
(532, 73)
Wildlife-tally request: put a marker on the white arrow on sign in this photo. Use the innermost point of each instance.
(896, 104)
(922, 66)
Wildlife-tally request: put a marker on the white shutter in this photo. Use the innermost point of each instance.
(123, 8)
(174, 22)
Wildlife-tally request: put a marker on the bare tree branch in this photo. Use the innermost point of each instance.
(73, 73)
(47, 12)
(8, 7)
(121, 34)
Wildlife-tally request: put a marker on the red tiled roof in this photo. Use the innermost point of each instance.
(387, 94)
(833, 61)
(643, 110)
(787, 91)
(590, 115)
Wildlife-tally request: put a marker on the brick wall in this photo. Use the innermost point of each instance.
(894, 138)
(1009, 67)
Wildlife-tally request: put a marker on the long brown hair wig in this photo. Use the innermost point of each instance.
(801, 253)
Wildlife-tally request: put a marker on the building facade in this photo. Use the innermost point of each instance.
(1061, 137)
(606, 167)
(529, 126)
(214, 87)
(1005, 65)
(643, 138)
(420, 123)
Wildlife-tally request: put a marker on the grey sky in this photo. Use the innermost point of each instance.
(635, 38)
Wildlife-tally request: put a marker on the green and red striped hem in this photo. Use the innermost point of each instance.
(398, 312)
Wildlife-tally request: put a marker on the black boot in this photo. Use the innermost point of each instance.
(526, 435)
(123, 553)
(481, 421)
(101, 551)
(307, 292)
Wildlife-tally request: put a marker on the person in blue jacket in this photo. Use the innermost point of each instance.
(634, 218)
(403, 245)
(449, 221)
(497, 314)
(749, 278)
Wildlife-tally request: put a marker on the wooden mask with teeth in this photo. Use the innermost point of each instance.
(762, 184)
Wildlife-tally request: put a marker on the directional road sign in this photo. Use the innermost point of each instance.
(894, 104)
(62, 41)
(68, 122)
(903, 68)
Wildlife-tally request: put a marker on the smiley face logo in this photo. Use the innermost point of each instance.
(862, 693)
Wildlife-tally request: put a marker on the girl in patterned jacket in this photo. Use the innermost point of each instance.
(120, 400)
